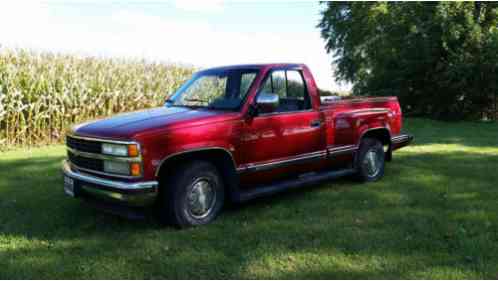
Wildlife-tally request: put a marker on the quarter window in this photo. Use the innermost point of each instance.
(245, 82)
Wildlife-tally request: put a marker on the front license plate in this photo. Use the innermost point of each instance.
(69, 186)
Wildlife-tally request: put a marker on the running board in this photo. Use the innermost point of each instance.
(266, 190)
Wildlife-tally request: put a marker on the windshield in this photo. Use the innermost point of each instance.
(215, 89)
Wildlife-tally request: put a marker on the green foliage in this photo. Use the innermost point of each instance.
(43, 94)
(433, 216)
(439, 58)
(324, 93)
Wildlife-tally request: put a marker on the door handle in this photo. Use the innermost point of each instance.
(316, 123)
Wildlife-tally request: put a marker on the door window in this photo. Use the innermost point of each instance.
(289, 86)
(295, 85)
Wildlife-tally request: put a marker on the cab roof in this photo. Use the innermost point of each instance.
(254, 66)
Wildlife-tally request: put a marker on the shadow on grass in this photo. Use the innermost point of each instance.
(31, 192)
(432, 216)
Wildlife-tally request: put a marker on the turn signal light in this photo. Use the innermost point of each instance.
(132, 150)
(135, 169)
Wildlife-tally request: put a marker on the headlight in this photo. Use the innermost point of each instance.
(114, 149)
(122, 168)
(124, 150)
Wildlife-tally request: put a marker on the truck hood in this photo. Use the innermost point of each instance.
(129, 125)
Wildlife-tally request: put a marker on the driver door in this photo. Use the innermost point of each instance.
(287, 139)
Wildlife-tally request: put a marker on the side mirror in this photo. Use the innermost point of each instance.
(267, 102)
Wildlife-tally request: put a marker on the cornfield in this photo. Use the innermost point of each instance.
(43, 94)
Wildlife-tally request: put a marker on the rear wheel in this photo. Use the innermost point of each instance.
(192, 195)
(370, 163)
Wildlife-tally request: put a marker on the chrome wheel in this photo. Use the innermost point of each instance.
(372, 162)
(201, 198)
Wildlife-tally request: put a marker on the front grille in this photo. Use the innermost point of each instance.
(84, 145)
(86, 163)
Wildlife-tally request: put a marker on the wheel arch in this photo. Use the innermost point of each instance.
(382, 134)
(218, 156)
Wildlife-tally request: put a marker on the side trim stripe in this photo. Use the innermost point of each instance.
(281, 163)
(303, 158)
(336, 150)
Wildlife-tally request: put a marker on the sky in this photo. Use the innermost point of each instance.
(204, 33)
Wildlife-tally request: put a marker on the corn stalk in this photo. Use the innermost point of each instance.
(44, 94)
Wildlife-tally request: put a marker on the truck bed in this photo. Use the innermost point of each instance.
(327, 101)
(348, 118)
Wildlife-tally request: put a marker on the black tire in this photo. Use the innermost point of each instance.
(363, 163)
(173, 204)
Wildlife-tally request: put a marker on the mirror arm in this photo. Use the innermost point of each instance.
(253, 110)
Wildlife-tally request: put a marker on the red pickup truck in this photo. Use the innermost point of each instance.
(230, 134)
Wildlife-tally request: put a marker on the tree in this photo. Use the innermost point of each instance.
(439, 58)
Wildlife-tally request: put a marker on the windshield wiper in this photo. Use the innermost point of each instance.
(170, 102)
(196, 100)
(213, 107)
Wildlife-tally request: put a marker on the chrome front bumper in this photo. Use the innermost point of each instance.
(137, 194)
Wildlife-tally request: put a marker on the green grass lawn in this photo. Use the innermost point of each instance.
(434, 215)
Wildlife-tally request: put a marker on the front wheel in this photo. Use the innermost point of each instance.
(370, 161)
(193, 195)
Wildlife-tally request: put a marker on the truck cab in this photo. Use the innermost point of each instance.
(230, 133)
